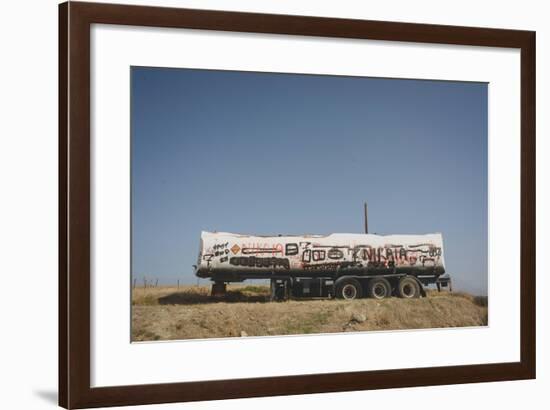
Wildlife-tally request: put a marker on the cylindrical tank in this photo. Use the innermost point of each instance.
(227, 256)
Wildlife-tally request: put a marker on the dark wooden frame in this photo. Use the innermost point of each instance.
(74, 204)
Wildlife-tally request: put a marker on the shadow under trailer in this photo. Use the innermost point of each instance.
(346, 266)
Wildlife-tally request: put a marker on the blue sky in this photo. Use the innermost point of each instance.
(265, 153)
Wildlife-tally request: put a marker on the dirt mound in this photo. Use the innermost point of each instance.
(189, 313)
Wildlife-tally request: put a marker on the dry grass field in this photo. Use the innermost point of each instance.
(187, 312)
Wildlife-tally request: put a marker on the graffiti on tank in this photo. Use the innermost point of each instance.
(357, 254)
(221, 252)
(318, 255)
(399, 255)
(218, 250)
(256, 251)
(335, 253)
(259, 262)
(291, 249)
(388, 256)
(331, 266)
(261, 248)
(305, 245)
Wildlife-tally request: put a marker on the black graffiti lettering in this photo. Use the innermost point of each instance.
(249, 251)
(318, 245)
(423, 259)
(314, 255)
(355, 253)
(285, 263)
(258, 262)
(332, 266)
(369, 254)
(319, 255)
(335, 253)
(291, 249)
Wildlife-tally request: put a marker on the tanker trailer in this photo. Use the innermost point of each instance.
(338, 265)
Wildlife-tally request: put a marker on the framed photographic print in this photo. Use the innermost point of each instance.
(255, 205)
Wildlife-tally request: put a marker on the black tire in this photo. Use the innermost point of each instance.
(379, 288)
(408, 288)
(349, 289)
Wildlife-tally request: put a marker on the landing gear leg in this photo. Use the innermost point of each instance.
(218, 289)
(279, 290)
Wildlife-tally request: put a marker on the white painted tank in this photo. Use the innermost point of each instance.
(228, 256)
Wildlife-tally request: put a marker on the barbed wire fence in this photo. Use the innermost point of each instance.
(146, 281)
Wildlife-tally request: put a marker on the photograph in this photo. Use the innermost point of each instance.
(243, 205)
(272, 204)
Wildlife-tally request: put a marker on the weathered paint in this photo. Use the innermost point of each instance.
(238, 257)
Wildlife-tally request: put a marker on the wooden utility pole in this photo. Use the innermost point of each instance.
(366, 220)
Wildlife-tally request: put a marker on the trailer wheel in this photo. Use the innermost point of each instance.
(379, 288)
(349, 289)
(408, 288)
